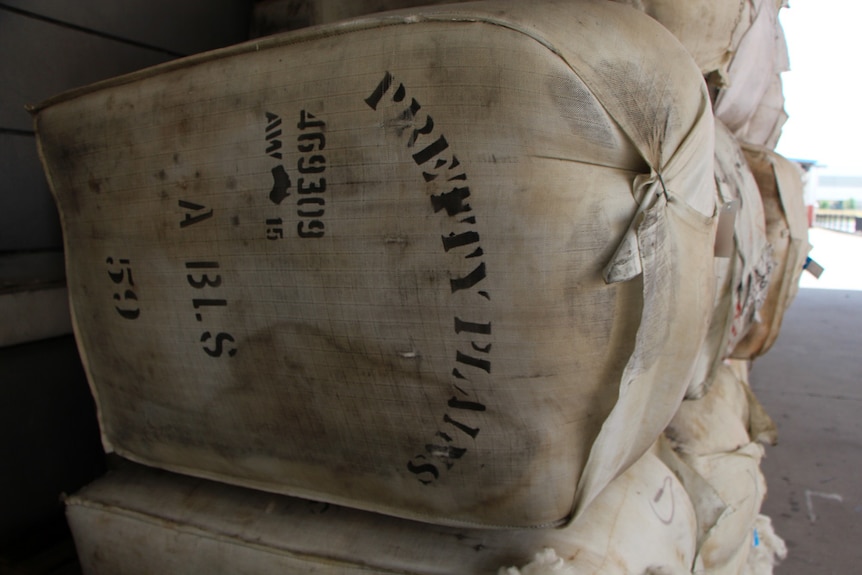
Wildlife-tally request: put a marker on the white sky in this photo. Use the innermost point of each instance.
(823, 89)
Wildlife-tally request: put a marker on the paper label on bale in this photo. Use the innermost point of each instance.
(363, 264)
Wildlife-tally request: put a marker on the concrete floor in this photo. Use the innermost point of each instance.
(810, 382)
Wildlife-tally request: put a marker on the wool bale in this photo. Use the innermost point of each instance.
(764, 127)
(138, 520)
(761, 427)
(780, 183)
(712, 436)
(716, 422)
(643, 522)
(760, 57)
(710, 30)
(743, 260)
(738, 480)
(765, 111)
(367, 263)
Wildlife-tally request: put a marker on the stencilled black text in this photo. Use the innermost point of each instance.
(449, 194)
(204, 278)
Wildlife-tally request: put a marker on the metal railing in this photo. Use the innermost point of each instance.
(839, 220)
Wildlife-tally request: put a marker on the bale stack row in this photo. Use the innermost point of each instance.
(450, 289)
(720, 425)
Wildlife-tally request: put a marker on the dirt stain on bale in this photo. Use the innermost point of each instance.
(95, 185)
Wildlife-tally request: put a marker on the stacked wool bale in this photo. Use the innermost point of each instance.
(743, 262)
(331, 342)
(755, 285)
(741, 50)
(780, 184)
(713, 436)
(751, 101)
(710, 436)
(353, 303)
(715, 431)
(643, 522)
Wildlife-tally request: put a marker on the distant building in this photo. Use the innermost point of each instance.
(837, 188)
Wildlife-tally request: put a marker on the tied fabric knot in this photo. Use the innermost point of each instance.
(626, 261)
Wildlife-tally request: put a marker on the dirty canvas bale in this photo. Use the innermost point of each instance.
(760, 57)
(764, 127)
(711, 436)
(710, 30)
(737, 479)
(763, 109)
(644, 522)
(717, 422)
(743, 259)
(761, 427)
(333, 265)
(714, 436)
(140, 520)
(780, 183)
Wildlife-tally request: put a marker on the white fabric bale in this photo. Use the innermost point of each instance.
(643, 523)
(743, 268)
(780, 183)
(142, 521)
(738, 480)
(336, 265)
(715, 436)
(715, 423)
(760, 57)
(761, 427)
(758, 554)
(764, 127)
(710, 30)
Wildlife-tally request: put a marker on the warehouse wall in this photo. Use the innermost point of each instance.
(50, 440)
(49, 46)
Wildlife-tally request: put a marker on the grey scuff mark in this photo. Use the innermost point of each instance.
(808, 502)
